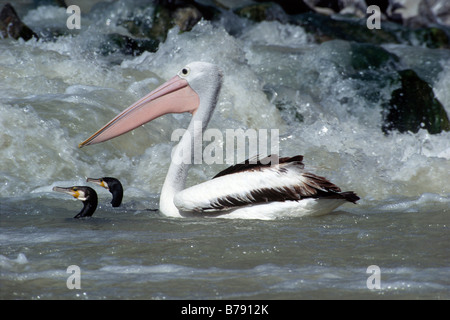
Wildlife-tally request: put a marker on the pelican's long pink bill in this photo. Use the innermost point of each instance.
(174, 96)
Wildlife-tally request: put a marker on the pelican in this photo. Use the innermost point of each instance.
(258, 189)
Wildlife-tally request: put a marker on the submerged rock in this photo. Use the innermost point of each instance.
(411, 107)
(370, 56)
(370, 67)
(325, 28)
(291, 7)
(186, 18)
(355, 57)
(432, 37)
(59, 3)
(164, 15)
(128, 45)
(267, 11)
(414, 106)
(12, 26)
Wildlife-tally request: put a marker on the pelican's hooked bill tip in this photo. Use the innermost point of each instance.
(84, 143)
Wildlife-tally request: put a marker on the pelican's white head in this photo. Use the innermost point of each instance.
(194, 89)
(203, 77)
(206, 80)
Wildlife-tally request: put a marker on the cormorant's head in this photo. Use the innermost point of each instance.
(80, 193)
(113, 185)
(86, 194)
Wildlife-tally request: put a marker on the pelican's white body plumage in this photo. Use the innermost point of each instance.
(254, 194)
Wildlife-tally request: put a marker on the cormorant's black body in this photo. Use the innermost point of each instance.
(90, 205)
(85, 194)
(115, 187)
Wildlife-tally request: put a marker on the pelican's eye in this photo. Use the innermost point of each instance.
(185, 72)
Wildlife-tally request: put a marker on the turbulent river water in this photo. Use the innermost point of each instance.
(54, 94)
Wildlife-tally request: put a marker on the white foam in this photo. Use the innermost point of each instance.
(274, 33)
(58, 93)
(45, 16)
(8, 263)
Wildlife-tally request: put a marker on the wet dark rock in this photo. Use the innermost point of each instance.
(162, 23)
(408, 102)
(172, 5)
(59, 3)
(289, 6)
(154, 25)
(382, 4)
(187, 17)
(11, 25)
(373, 67)
(426, 62)
(266, 11)
(166, 15)
(208, 12)
(433, 37)
(127, 45)
(370, 56)
(325, 28)
(353, 58)
(414, 106)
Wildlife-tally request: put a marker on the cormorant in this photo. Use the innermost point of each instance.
(86, 194)
(113, 185)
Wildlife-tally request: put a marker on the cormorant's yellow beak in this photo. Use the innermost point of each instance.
(99, 181)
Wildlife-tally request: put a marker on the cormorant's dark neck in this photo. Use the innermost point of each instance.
(116, 189)
(117, 196)
(89, 207)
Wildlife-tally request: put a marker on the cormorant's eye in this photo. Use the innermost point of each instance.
(185, 71)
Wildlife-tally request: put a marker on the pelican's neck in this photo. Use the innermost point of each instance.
(185, 153)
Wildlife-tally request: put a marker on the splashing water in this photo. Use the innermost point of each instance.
(57, 93)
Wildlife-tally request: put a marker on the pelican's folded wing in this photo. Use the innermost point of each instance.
(257, 184)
